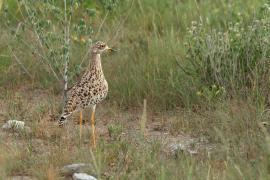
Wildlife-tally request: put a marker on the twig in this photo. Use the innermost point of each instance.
(66, 51)
(143, 119)
(98, 32)
(3, 55)
(198, 9)
(39, 41)
(1, 4)
(101, 25)
(182, 68)
(121, 23)
(44, 59)
(84, 57)
(20, 63)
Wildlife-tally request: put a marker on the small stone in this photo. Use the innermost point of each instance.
(68, 170)
(13, 124)
(83, 176)
(16, 126)
(177, 148)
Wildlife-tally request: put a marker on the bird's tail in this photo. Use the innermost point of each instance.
(67, 111)
(62, 120)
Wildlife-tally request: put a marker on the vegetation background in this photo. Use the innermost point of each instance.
(202, 66)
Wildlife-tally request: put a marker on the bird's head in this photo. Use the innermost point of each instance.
(100, 47)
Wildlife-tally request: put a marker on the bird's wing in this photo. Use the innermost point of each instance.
(79, 79)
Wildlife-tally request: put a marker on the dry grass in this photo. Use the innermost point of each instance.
(233, 128)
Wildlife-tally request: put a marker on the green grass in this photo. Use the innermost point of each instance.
(150, 49)
(150, 40)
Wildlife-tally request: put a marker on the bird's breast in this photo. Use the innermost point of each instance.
(98, 91)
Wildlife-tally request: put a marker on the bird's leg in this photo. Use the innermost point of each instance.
(80, 125)
(92, 122)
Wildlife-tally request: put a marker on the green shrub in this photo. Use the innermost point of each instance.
(236, 58)
(47, 33)
(150, 36)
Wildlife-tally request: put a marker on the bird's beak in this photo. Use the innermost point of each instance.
(110, 49)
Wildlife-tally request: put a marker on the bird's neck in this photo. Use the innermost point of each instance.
(95, 63)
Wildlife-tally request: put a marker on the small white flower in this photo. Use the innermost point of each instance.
(194, 23)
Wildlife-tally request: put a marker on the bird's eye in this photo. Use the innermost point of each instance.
(102, 45)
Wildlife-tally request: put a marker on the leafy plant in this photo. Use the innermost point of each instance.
(115, 131)
(236, 58)
(48, 29)
(211, 94)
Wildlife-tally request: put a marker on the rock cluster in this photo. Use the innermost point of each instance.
(76, 171)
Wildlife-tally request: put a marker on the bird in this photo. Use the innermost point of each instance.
(89, 91)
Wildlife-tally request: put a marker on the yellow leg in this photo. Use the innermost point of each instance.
(80, 125)
(92, 121)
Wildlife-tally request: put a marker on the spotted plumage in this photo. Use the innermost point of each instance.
(92, 87)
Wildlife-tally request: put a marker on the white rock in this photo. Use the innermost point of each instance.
(68, 170)
(13, 124)
(82, 176)
(177, 147)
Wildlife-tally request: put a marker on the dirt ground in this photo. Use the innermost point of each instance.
(39, 109)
